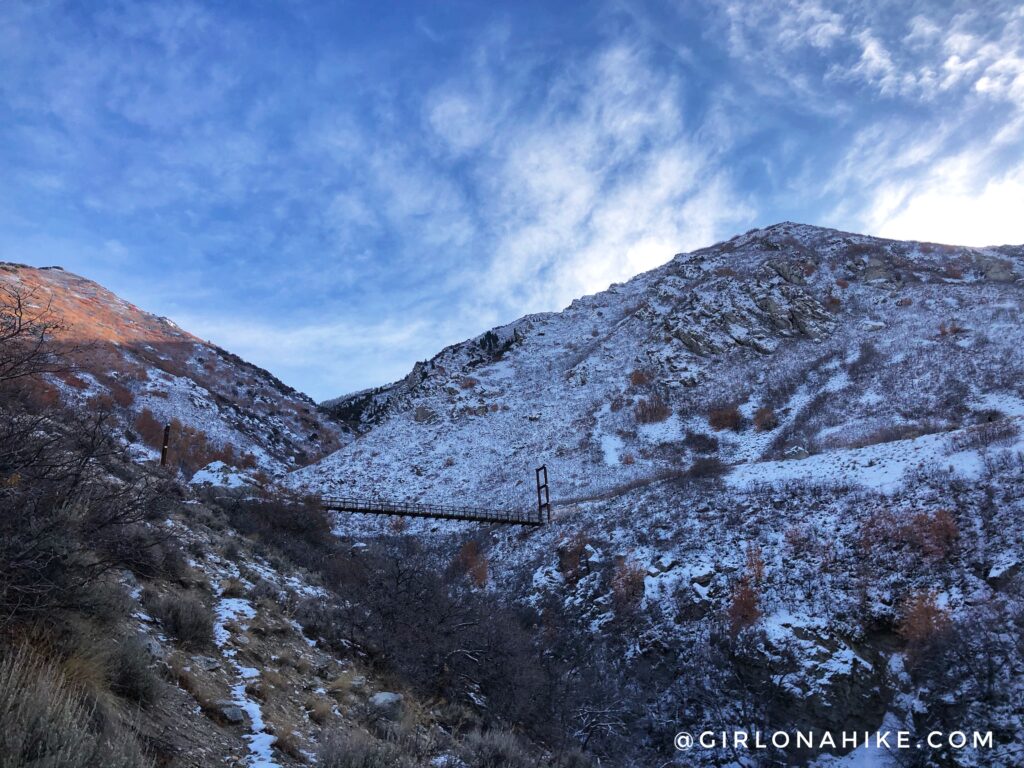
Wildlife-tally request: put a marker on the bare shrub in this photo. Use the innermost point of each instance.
(629, 460)
(149, 428)
(923, 622)
(755, 564)
(698, 442)
(743, 610)
(651, 410)
(639, 378)
(952, 328)
(725, 417)
(356, 749)
(985, 435)
(765, 420)
(570, 557)
(704, 467)
(935, 534)
(932, 535)
(472, 561)
(494, 749)
(468, 382)
(627, 588)
(183, 616)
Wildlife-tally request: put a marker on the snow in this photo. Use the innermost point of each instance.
(220, 474)
(227, 610)
(611, 447)
(881, 467)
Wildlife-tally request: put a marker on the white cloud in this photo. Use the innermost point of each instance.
(951, 207)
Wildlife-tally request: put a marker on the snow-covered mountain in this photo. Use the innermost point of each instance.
(788, 474)
(148, 372)
(780, 343)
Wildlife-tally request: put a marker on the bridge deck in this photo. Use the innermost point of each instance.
(436, 511)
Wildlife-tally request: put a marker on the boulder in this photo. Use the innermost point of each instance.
(387, 705)
(230, 712)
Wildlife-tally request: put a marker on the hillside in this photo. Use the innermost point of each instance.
(148, 372)
(782, 342)
(788, 484)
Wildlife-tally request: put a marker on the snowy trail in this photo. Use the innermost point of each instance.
(261, 742)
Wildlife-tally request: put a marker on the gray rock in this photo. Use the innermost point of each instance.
(206, 663)
(152, 646)
(387, 705)
(358, 682)
(231, 712)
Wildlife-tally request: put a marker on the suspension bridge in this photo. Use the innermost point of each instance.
(533, 517)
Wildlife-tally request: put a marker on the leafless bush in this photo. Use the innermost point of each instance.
(985, 435)
(698, 442)
(651, 410)
(923, 621)
(743, 610)
(704, 467)
(494, 749)
(183, 616)
(627, 588)
(725, 417)
(356, 749)
(639, 378)
(765, 420)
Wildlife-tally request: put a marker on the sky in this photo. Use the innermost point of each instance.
(335, 190)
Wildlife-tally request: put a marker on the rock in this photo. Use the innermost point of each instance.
(152, 646)
(387, 705)
(358, 682)
(1003, 572)
(424, 415)
(230, 711)
(206, 663)
(703, 577)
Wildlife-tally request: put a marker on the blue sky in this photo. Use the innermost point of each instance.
(336, 190)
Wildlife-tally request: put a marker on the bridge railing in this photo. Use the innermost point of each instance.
(418, 509)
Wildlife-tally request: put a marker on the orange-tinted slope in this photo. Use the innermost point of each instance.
(148, 371)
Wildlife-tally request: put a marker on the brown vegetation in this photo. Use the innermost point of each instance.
(651, 410)
(639, 378)
(765, 420)
(923, 622)
(725, 417)
(472, 561)
(743, 610)
(627, 588)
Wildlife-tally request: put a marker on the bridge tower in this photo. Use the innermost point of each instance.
(543, 495)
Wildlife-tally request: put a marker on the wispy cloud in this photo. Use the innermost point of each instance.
(337, 192)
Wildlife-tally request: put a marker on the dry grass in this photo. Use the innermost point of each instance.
(320, 710)
(233, 588)
(194, 683)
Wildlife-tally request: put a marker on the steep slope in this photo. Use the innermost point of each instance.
(148, 372)
(778, 343)
(789, 483)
